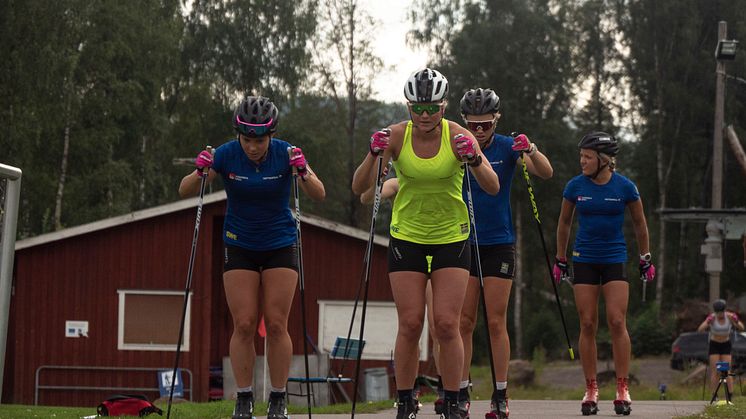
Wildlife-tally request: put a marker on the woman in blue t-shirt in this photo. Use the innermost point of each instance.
(259, 232)
(600, 196)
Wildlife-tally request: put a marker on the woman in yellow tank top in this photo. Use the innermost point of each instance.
(429, 218)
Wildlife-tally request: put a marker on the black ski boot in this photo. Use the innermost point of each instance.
(450, 410)
(244, 406)
(406, 409)
(277, 408)
(499, 405)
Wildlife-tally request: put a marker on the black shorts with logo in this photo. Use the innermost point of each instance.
(497, 260)
(408, 256)
(598, 273)
(719, 348)
(257, 260)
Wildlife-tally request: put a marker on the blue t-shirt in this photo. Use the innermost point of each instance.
(600, 209)
(492, 213)
(258, 215)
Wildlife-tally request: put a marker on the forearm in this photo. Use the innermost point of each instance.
(563, 235)
(540, 165)
(641, 233)
(364, 177)
(189, 185)
(312, 186)
(485, 176)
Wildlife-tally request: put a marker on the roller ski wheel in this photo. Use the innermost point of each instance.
(450, 410)
(622, 407)
(589, 408)
(463, 409)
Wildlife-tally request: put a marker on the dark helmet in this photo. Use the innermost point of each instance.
(426, 85)
(255, 116)
(600, 142)
(479, 102)
(718, 305)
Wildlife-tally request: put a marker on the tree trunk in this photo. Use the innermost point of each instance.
(63, 174)
(143, 149)
(518, 285)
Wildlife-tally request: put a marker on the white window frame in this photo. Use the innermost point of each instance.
(381, 324)
(122, 346)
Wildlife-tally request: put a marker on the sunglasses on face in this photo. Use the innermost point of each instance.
(419, 109)
(484, 125)
(253, 130)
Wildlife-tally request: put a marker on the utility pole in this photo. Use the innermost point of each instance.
(714, 238)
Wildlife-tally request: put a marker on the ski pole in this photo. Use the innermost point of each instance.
(546, 254)
(301, 282)
(190, 271)
(472, 218)
(366, 261)
(644, 288)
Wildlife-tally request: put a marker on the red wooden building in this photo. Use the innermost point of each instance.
(124, 279)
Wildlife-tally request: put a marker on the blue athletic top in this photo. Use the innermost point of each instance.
(492, 213)
(258, 215)
(600, 210)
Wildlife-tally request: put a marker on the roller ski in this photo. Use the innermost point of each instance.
(589, 406)
(406, 409)
(463, 408)
(499, 405)
(244, 408)
(622, 403)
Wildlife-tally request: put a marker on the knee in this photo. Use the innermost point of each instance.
(411, 328)
(467, 324)
(275, 328)
(588, 326)
(617, 325)
(497, 324)
(447, 329)
(244, 329)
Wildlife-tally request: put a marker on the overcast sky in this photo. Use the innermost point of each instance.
(390, 45)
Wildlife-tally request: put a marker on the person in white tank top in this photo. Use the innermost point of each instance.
(720, 323)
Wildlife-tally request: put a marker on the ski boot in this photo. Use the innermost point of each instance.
(244, 406)
(589, 405)
(439, 402)
(451, 410)
(406, 409)
(499, 405)
(622, 403)
(277, 408)
(463, 408)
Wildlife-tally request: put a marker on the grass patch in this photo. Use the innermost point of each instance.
(735, 411)
(186, 410)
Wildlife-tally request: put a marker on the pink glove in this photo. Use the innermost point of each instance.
(560, 271)
(379, 141)
(647, 270)
(465, 148)
(710, 317)
(298, 161)
(734, 317)
(521, 143)
(203, 162)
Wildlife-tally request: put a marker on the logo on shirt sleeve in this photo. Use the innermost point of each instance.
(233, 176)
(582, 198)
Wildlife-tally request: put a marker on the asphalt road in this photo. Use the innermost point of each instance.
(525, 409)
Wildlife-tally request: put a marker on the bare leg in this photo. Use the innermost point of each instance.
(449, 288)
(468, 322)
(616, 296)
(242, 295)
(408, 289)
(278, 289)
(497, 293)
(586, 301)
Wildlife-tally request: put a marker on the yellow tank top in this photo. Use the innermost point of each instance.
(429, 208)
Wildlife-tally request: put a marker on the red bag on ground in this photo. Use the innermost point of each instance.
(127, 405)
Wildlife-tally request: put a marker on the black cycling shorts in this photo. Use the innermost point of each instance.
(408, 256)
(719, 348)
(258, 260)
(598, 273)
(497, 260)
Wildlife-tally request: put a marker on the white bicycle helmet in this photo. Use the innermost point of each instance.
(426, 85)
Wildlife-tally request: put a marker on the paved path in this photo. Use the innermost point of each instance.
(529, 409)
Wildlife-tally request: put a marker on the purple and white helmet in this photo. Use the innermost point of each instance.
(426, 85)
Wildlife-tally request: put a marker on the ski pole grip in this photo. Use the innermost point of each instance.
(206, 170)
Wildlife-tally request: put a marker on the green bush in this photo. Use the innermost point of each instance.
(650, 335)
